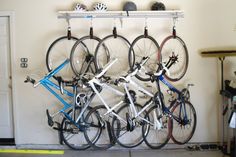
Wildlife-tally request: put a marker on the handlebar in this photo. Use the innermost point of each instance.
(61, 82)
(29, 79)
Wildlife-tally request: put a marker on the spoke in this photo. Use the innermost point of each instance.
(140, 50)
(150, 46)
(69, 136)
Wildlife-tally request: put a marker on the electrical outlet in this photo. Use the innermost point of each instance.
(234, 28)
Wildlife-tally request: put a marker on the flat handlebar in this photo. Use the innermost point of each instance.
(29, 79)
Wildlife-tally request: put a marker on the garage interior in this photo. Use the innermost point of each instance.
(28, 29)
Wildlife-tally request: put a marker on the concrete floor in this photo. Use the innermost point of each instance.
(127, 153)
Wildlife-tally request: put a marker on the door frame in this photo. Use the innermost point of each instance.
(11, 16)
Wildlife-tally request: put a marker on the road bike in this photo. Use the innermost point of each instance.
(72, 126)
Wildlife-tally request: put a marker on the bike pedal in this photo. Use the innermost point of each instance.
(50, 121)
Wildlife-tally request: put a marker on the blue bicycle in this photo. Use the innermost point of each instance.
(177, 121)
(73, 125)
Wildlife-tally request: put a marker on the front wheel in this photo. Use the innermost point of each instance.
(157, 131)
(144, 46)
(57, 53)
(184, 122)
(174, 46)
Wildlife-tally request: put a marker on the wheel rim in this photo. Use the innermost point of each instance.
(144, 46)
(118, 50)
(82, 55)
(57, 53)
(183, 131)
(175, 46)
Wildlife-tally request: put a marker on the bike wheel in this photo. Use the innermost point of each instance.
(126, 135)
(118, 47)
(144, 46)
(157, 131)
(99, 135)
(184, 128)
(175, 46)
(82, 55)
(71, 135)
(57, 53)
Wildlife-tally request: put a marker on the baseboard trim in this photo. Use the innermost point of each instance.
(7, 141)
(169, 146)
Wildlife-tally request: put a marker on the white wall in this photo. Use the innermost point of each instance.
(207, 24)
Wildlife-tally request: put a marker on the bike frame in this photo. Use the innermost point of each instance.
(110, 110)
(126, 81)
(180, 98)
(51, 87)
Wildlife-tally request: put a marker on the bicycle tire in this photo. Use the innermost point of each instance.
(103, 135)
(68, 127)
(80, 59)
(123, 136)
(112, 44)
(179, 69)
(54, 58)
(157, 138)
(137, 52)
(183, 138)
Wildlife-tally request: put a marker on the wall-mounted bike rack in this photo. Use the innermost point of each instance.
(121, 14)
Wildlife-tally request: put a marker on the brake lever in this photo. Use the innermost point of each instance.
(29, 79)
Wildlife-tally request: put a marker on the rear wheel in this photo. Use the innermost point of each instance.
(157, 132)
(184, 128)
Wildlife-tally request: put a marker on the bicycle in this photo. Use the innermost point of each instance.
(181, 112)
(127, 124)
(72, 126)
